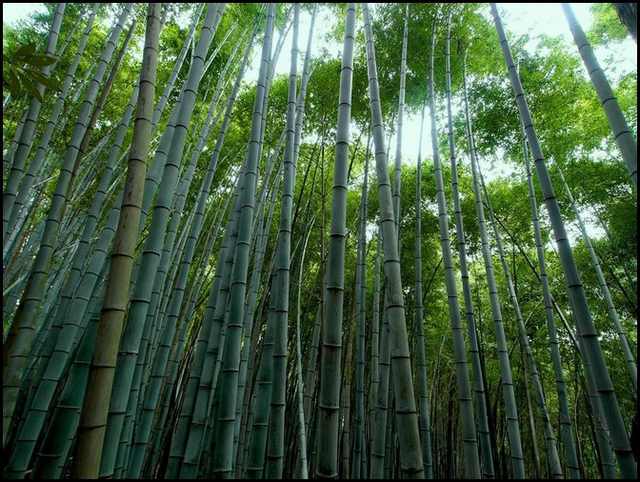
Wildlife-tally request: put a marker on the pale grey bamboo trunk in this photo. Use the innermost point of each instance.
(553, 459)
(331, 344)
(471, 458)
(27, 132)
(585, 327)
(604, 290)
(22, 332)
(622, 134)
(405, 406)
(566, 429)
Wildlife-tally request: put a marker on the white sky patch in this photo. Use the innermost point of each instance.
(13, 12)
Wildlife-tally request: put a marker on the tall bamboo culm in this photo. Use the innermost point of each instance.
(553, 459)
(331, 343)
(406, 416)
(23, 329)
(622, 134)
(584, 323)
(470, 442)
(566, 427)
(421, 358)
(93, 419)
(478, 379)
(632, 367)
(18, 156)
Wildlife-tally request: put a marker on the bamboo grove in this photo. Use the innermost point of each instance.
(216, 268)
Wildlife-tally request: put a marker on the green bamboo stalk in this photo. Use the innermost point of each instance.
(256, 447)
(513, 427)
(361, 286)
(604, 290)
(193, 445)
(275, 446)
(22, 332)
(607, 459)
(177, 66)
(553, 458)
(206, 408)
(566, 429)
(421, 359)
(584, 322)
(331, 345)
(104, 92)
(345, 401)
(401, 96)
(156, 168)
(223, 453)
(174, 293)
(249, 335)
(66, 416)
(483, 425)
(211, 337)
(258, 440)
(161, 358)
(411, 465)
(622, 134)
(88, 232)
(375, 348)
(151, 255)
(132, 391)
(94, 413)
(27, 132)
(470, 442)
(302, 435)
(26, 183)
(74, 324)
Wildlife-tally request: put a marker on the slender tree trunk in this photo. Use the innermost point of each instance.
(478, 384)
(73, 328)
(223, 453)
(586, 329)
(162, 102)
(275, 448)
(331, 345)
(27, 132)
(604, 290)
(26, 184)
(472, 461)
(553, 458)
(198, 384)
(401, 96)
(361, 286)
(302, 434)
(374, 368)
(517, 459)
(23, 329)
(421, 359)
(96, 403)
(622, 134)
(66, 416)
(249, 333)
(406, 414)
(566, 429)
(84, 245)
(106, 90)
